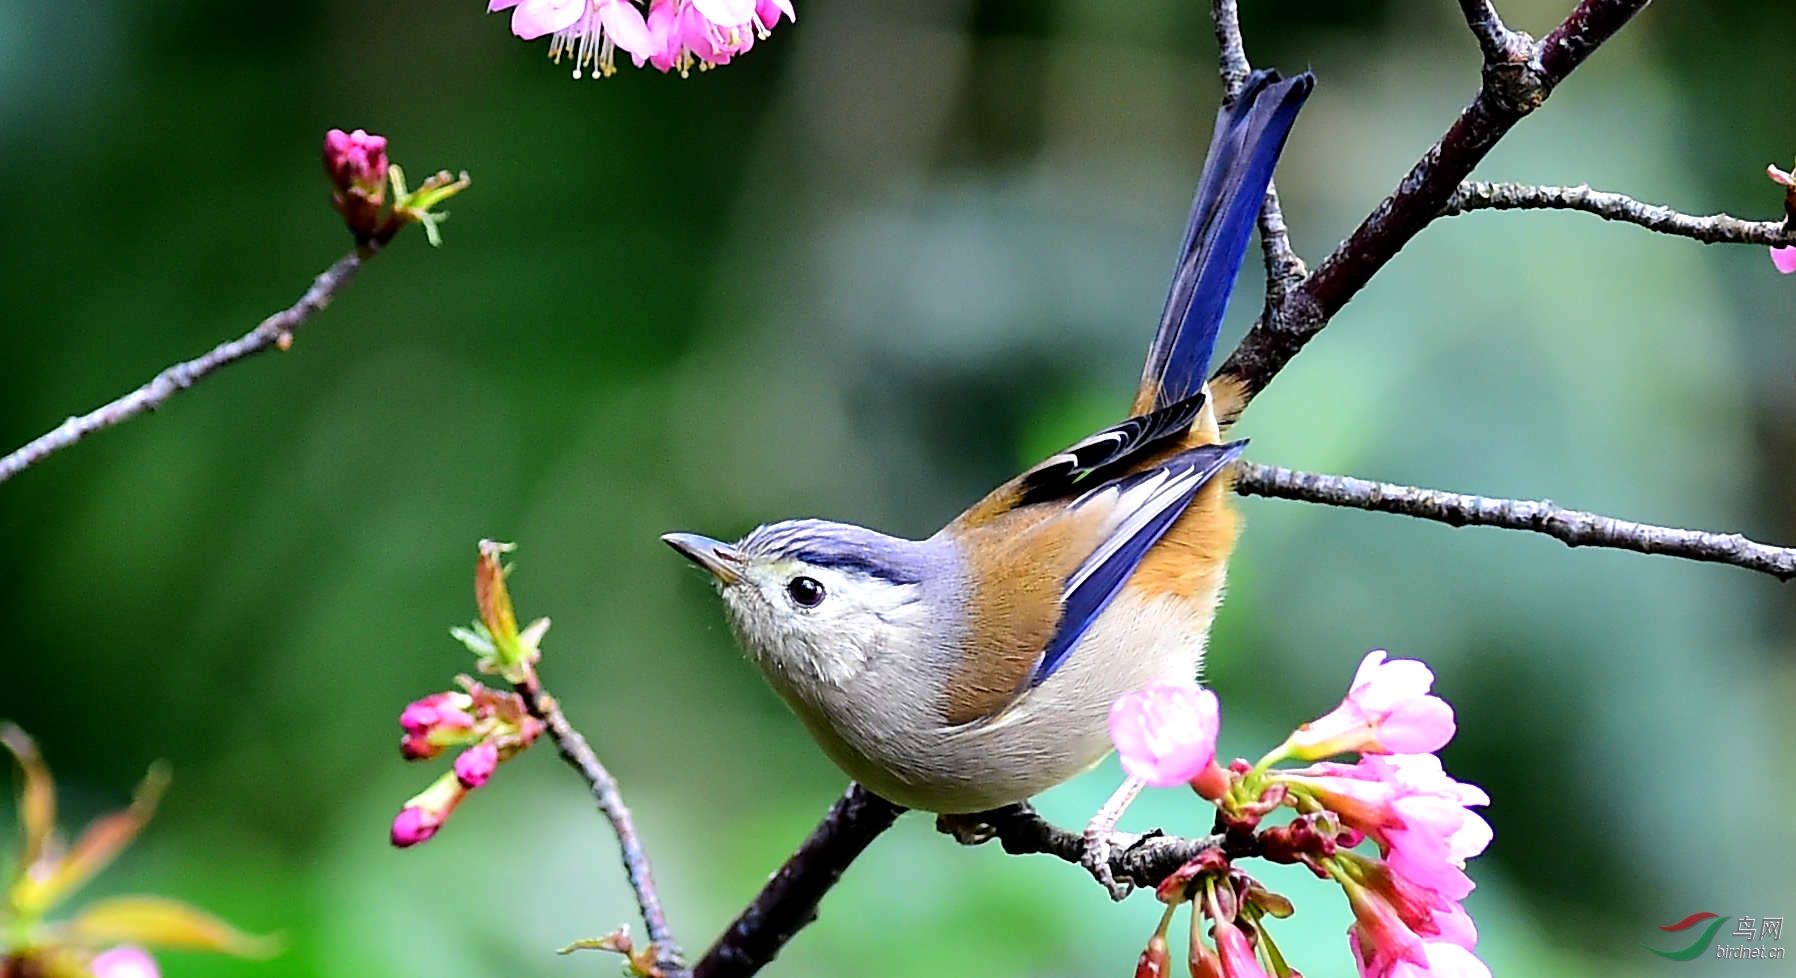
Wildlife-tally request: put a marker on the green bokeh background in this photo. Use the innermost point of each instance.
(868, 271)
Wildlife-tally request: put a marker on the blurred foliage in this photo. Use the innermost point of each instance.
(866, 272)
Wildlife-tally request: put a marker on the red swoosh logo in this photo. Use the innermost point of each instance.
(1695, 918)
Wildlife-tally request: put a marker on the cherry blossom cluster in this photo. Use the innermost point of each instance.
(1405, 888)
(489, 726)
(673, 35)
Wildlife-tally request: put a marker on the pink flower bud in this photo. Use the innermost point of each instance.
(1203, 962)
(426, 812)
(438, 710)
(356, 160)
(123, 962)
(414, 825)
(1155, 960)
(1166, 733)
(476, 764)
(1388, 710)
(1238, 960)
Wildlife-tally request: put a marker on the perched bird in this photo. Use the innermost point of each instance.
(976, 668)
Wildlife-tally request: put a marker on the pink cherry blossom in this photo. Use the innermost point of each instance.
(1407, 803)
(1166, 733)
(587, 31)
(675, 35)
(123, 962)
(476, 764)
(1444, 960)
(1379, 937)
(1784, 259)
(1388, 710)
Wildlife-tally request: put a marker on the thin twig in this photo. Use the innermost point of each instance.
(579, 755)
(274, 332)
(789, 900)
(1475, 195)
(1284, 269)
(1508, 92)
(1572, 527)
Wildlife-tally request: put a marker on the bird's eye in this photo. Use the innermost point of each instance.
(805, 592)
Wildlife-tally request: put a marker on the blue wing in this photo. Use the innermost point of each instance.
(1149, 502)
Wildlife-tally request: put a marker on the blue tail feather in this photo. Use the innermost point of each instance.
(1249, 136)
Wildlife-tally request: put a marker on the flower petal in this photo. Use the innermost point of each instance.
(1166, 733)
(123, 962)
(532, 20)
(1417, 726)
(625, 25)
(726, 13)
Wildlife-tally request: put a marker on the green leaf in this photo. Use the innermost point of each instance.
(163, 922)
(37, 797)
(97, 847)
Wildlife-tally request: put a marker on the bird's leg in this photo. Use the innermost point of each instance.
(1098, 846)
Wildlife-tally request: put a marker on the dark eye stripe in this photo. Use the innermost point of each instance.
(856, 563)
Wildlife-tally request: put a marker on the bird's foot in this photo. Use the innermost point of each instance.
(1100, 845)
(968, 830)
(1100, 842)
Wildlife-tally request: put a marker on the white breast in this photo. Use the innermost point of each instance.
(1053, 733)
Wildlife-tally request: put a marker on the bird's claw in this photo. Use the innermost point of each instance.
(968, 830)
(1096, 860)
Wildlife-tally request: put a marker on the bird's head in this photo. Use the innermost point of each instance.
(818, 602)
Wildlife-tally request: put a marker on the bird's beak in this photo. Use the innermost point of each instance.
(720, 559)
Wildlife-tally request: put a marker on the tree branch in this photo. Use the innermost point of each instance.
(274, 332)
(789, 900)
(1475, 195)
(1510, 90)
(1569, 526)
(1499, 44)
(1144, 860)
(579, 755)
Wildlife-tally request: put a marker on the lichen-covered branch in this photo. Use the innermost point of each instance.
(1510, 89)
(275, 332)
(1476, 195)
(1572, 527)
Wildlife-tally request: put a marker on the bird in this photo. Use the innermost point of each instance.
(975, 669)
